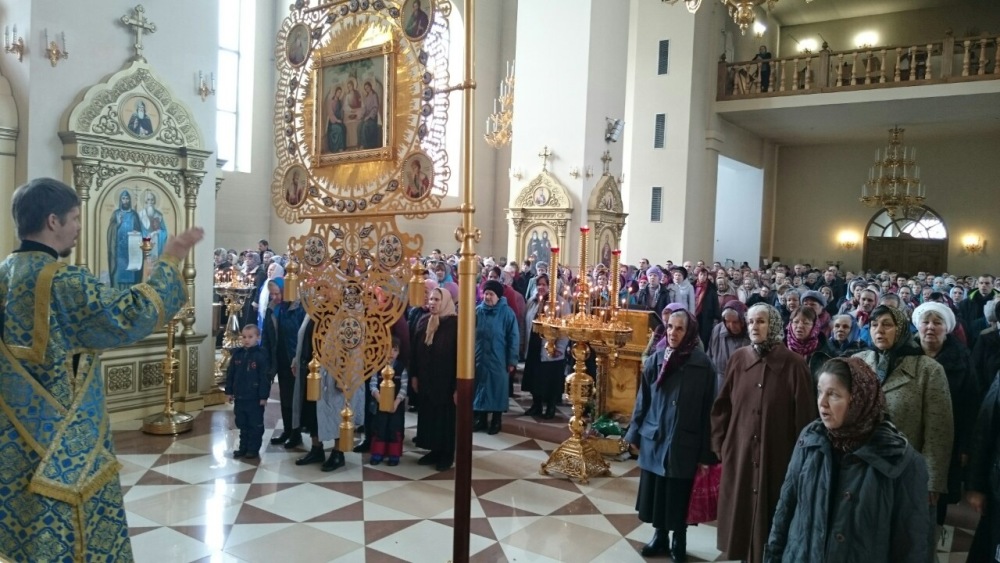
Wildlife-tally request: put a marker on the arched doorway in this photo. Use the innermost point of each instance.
(915, 241)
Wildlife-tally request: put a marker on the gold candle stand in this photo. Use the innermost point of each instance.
(576, 457)
(169, 421)
(234, 292)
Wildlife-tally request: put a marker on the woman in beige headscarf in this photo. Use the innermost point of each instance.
(432, 373)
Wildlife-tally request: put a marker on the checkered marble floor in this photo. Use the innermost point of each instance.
(188, 500)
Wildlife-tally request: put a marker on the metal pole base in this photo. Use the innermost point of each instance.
(167, 423)
(577, 459)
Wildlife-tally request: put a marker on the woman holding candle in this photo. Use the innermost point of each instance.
(543, 373)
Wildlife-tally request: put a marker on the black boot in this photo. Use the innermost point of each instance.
(678, 546)
(364, 446)
(550, 411)
(335, 461)
(535, 410)
(315, 455)
(280, 438)
(659, 545)
(294, 440)
(495, 424)
(479, 421)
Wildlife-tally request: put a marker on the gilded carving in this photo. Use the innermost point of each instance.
(150, 375)
(107, 123)
(119, 379)
(83, 174)
(192, 369)
(89, 150)
(170, 133)
(540, 216)
(101, 106)
(104, 173)
(172, 178)
(192, 183)
(141, 157)
(196, 164)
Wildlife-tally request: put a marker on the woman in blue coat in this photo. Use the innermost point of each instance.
(671, 426)
(855, 490)
(497, 345)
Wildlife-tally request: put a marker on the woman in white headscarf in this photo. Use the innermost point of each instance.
(274, 271)
(935, 323)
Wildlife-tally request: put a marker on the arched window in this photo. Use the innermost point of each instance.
(918, 222)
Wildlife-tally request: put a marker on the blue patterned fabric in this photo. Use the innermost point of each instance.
(60, 497)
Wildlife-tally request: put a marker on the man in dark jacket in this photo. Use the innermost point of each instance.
(971, 308)
(655, 296)
(281, 328)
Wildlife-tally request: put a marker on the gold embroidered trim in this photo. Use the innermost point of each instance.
(151, 294)
(40, 326)
(77, 493)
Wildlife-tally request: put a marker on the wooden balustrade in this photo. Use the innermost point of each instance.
(945, 61)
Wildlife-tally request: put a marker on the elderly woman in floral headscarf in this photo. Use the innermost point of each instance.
(916, 393)
(768, 397)
(854, 486)
(671, 426)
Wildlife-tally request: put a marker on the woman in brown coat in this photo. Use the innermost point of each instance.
(767, 399)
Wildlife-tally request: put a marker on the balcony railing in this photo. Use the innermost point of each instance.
(946, 61)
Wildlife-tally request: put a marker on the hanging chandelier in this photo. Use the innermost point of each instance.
(894, 180)
(742, 11)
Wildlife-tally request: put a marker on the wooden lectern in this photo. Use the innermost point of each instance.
(618, 376)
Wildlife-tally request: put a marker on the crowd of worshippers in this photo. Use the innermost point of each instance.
(847, 411)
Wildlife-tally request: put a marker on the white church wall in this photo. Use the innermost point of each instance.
(739, 200)
(552, 77)
(648, 94)
(243, 209)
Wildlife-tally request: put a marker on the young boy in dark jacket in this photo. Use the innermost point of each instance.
(248, 384)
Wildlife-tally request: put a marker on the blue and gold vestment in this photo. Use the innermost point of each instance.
(60, 496)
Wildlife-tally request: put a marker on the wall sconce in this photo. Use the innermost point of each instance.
(13, 44)
(621, 179)
(847, 240)
(52, 51)
(808, 46)
(575, 172)
(759, 29)
(589, 172)
(973, 244)
(206, 88)
(866, 39)
(516, 173)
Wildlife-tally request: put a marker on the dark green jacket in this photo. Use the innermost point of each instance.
(870, 506)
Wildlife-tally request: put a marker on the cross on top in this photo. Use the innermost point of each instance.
(545, 154)
(139, 23)
(606, 159)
